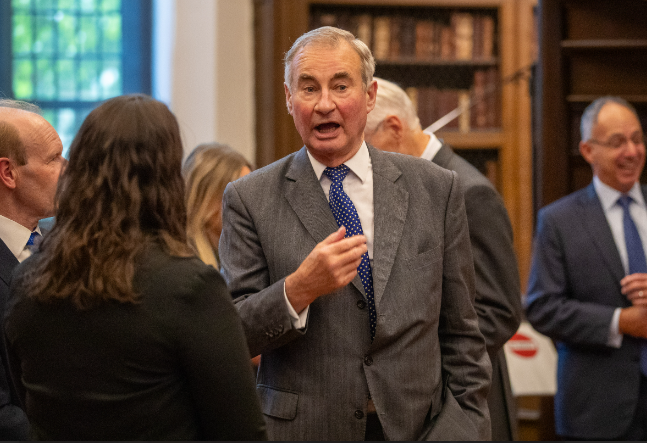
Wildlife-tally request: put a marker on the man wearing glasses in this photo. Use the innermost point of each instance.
(588, 283)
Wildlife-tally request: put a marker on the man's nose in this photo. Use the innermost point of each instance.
(325, 104)
(634, 149)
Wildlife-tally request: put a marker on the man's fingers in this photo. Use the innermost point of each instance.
(639, 301)
(334, 237)
(634, 278)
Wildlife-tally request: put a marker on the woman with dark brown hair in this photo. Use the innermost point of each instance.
(114, 330)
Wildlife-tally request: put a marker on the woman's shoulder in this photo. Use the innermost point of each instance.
(162, 273)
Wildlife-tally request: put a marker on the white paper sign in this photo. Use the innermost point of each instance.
(532, 362)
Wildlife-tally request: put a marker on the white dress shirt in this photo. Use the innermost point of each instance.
(433, 146)
(614, 215)
(15, 236)
(358, 185)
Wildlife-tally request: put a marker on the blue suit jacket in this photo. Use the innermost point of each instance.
(573, 290)
(13, 421)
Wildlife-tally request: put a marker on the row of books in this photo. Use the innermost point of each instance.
(463, 36)
(480, 104)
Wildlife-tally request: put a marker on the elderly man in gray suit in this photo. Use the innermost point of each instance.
(352, 271)
(393, 126)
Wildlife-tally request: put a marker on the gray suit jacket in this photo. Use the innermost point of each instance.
(573, 290)
(498, 293)
(427, 369)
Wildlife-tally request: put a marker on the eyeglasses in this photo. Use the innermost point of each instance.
(618, 141)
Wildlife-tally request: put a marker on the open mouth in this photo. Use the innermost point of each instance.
(325, 128)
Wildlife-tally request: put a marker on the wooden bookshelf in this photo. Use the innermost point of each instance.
(501, 148)
(588, 49)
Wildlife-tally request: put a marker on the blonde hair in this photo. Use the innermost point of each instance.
(207, 171)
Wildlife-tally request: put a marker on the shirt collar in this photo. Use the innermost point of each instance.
(359, 163)
(14, 235)
(609, 196)
(433, 146)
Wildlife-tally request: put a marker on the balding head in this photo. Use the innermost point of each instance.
(30, 164)
(11, 145)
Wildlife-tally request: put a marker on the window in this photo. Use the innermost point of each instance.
(69, 55)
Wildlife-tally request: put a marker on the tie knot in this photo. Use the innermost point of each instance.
(624, 201)
(338, 174)
(33, 238)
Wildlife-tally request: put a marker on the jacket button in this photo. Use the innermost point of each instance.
(359, 414)
(368, 360)
(361, 304)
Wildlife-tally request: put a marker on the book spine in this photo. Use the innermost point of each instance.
(395, 38)
(382, 38)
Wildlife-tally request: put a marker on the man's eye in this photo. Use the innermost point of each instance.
(638, 139)
(617, 142)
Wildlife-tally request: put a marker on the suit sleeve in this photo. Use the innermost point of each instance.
(550, 306)
(498, 294)
(466, 366)
(260, 303)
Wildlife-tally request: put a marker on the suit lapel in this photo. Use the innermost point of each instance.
(7, 263)
(596, 223)
(390, 203)
(306, 197)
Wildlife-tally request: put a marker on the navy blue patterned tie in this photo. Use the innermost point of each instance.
(636, 259)
(33, 242)
(346, 215)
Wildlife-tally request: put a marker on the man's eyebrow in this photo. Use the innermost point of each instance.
(342, 74)
(306, 77)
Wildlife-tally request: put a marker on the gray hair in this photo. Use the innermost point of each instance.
(332, 37)
(590, 115)
(391, 100)
(21, 105)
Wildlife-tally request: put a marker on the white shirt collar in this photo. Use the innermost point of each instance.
(359, 163)
(609, 196)
(14, 235)
(433, 146)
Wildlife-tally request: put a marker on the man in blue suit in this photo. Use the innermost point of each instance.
(30, 163)
(588, 283)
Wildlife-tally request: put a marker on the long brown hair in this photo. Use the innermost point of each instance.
(121, 191)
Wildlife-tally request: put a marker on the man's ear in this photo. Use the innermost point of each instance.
(288, 98)
(371, 96)
(395, 126)
(7, 173)
(585, 150)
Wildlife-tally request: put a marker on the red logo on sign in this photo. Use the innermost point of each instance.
(522, 345)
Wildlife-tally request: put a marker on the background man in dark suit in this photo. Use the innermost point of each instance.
(30, 164)
(394, 126)
(392, 349)
(588, 267)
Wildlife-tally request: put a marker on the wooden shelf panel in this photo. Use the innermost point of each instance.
(588, 98)
(426, 3)
(472, 140)
(604, 44)
(411, 62)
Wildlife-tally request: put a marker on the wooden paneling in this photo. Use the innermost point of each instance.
(588, 49)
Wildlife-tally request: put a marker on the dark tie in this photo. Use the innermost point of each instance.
(636, 259)
(346, 215)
